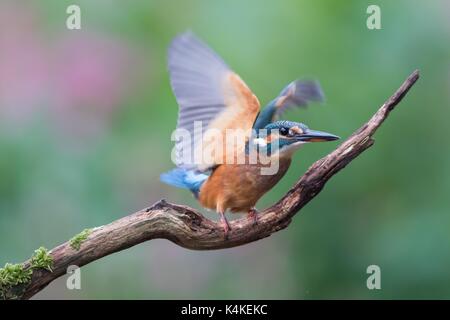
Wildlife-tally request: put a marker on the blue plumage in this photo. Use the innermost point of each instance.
(184, 178)
(298, 93)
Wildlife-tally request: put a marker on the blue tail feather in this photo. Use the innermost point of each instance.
(184, 178)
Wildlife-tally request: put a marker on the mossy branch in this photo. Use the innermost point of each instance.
(187, 227)
(15, 278)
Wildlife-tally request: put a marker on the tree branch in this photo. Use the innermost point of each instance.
(190, 229)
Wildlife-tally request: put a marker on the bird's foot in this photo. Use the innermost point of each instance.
(253, 215)
(225, 224)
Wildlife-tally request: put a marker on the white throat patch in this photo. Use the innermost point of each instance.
(260, 142)
(290, 149)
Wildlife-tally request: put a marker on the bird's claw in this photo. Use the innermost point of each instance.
(253, 215)
(226, 226)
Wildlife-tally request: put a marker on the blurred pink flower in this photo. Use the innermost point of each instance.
(77, 77)
(90, 70)
(91, 76)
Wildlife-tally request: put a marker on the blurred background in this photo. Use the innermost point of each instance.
(86, 117)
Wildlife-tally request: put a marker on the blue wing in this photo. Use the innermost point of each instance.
(298, 93)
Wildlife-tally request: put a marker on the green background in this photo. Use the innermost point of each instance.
(86, 117)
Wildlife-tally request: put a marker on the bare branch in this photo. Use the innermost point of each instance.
(190, 229)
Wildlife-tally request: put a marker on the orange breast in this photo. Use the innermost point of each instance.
(238, 187)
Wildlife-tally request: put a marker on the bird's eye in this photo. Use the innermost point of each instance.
(284, 131)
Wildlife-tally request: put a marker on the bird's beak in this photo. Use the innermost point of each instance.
(317, 136)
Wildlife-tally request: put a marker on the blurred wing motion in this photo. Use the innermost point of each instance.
(209, 92)
(297, 94)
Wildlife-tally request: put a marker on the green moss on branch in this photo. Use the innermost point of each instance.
(11, 276)
(42, 259)
(76, 241)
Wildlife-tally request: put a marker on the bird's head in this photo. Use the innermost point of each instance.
(288, 136)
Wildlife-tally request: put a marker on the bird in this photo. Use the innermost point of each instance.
(211, 96)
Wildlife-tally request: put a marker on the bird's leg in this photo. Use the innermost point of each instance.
(224, 221)
(253, 214)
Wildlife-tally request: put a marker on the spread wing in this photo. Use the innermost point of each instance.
(298, 93)
(209, 94)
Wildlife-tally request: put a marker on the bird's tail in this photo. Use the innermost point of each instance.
(184, 178)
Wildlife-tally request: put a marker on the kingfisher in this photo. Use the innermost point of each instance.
(209, 93)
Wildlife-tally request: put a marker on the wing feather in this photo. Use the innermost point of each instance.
(207, 91)
(298, 93)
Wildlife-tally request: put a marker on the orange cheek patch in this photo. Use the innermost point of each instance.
(297, 130)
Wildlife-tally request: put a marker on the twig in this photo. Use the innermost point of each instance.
(190, 229)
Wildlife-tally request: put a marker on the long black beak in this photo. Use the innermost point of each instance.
(317, 136)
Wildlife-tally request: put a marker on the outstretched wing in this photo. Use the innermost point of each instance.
(209, 94)
(298, 93)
